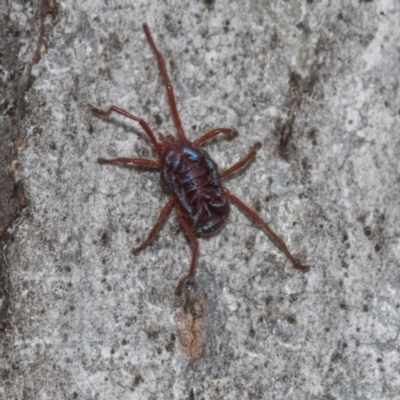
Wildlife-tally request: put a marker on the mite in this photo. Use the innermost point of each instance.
(191, 178)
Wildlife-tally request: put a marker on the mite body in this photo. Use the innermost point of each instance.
(191, 178)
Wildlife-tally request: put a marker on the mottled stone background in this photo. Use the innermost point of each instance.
(317, 83)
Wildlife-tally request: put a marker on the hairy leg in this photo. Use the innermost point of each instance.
(255, 217)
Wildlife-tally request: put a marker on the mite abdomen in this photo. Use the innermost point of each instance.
(192, 176)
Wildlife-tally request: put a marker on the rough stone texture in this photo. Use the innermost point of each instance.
(23, 31)
(89, 320)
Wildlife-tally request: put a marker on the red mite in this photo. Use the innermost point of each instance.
(191, 179)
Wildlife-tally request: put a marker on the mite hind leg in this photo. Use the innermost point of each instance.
(195, 244)
(255, 217)
(161, 218)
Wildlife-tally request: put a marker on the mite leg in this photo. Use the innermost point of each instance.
(142, 123)
(161, 218)
(135, 161)
(230, 134)
(195, 244)
(241, 163)
(252, 214)
(170, 91)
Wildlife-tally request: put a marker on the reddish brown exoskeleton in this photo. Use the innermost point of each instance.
(191, 178)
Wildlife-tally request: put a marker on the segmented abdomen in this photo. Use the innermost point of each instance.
(192, 176)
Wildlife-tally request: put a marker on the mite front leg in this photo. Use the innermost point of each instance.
(141, 122)
(195, 244)
(142, 162)
(230, 134)
(254, 216)
(170, 90)
(241, 163)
